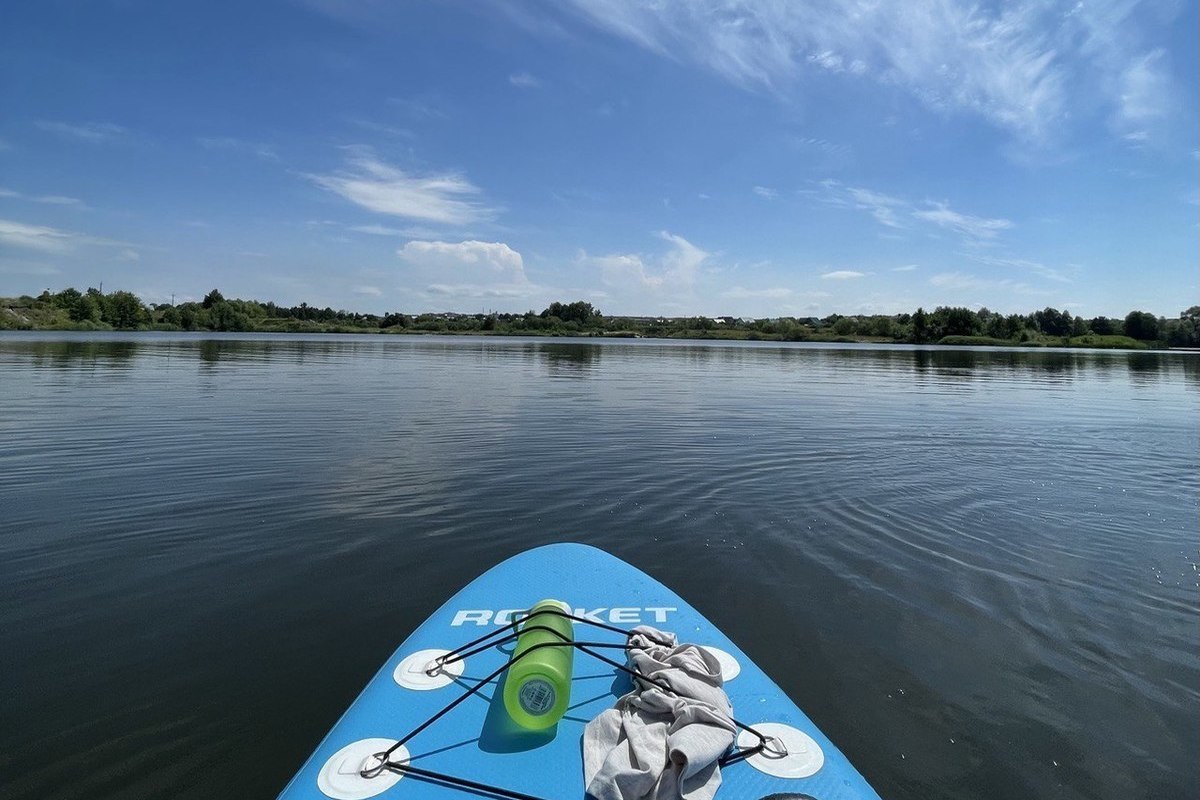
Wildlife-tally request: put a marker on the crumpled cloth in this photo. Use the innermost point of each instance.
(659, 745)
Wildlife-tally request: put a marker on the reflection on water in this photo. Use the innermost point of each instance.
(975, 568)
(580, 358)
(571, 360)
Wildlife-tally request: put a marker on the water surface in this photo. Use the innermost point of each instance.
(974, 569)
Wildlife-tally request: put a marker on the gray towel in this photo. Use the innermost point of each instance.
(659, 745)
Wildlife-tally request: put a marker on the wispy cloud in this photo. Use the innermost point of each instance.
(34, 237)
(1145, 90)
(367, 291)
(45, 199)
(951, 56)
(970, 226)
(905, 268)
(525, 80)
(46, 239)
(842, 275)
(767, 192)
(447, 198)
(881, 206)
(1026, 265)
(420, 109)
(411, 232)
(1024, 66)
(59, 200)
(235, 145)
(91, 132)
(896, 212)
(965, 281)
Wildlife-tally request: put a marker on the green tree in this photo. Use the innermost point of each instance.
(1103, 326)
(1053, 322)
(579, 311)
(212, 298)
(1185, 332)
(84, 309)
(125, 310)
(920, 326)
(1141, 325)
(67, 298)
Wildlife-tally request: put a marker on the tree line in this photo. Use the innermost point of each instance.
(123, 310)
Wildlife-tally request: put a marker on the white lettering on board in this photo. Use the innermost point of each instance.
(477, 617)
(625, 616)
(628, 615)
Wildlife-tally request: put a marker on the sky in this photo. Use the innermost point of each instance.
(742, 157)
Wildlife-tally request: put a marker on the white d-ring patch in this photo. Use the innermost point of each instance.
(419, 671)
(803, 758)
(341, 777)
(730, 668)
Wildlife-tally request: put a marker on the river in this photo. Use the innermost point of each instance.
(975, 569)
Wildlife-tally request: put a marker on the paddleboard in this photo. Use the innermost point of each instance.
(477, 739)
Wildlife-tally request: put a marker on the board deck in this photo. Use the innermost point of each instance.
(478, 741)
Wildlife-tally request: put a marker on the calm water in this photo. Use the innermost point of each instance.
(976, 570)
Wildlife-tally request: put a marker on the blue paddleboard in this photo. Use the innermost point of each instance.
(478, 741)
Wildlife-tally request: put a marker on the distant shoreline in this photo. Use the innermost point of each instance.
(1124, 343)
(92, 310)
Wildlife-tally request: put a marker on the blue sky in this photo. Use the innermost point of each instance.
(749, 157)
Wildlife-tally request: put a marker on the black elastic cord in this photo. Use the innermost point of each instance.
(478, 646)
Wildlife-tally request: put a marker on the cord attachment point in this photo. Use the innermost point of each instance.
(345, 775)
(427, 669)
(786, 753)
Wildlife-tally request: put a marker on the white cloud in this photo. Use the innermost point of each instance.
(895, 212)
(59, 200)
(524, 80)
(446, 198)
(495, 258)
(46, 239)
(368, 291)
(952, 56)
(92, 132)
(656, 283)
(973, 227)
(457, 275)
(1145, 89)
(882, 207)
(231, 144)
(764, 191)
(905, 268)
(842, 275)
(35, 237)
(1036, 267)
(45, 199)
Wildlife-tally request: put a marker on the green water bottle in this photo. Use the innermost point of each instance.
(537, 689)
